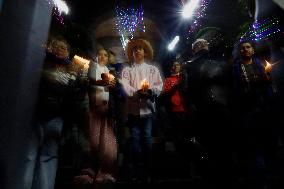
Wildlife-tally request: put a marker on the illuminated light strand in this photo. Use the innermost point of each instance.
(262, 29)
(198, 15)
(129, 20)
(266, 29)
(60, 7)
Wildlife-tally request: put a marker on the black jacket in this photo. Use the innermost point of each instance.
(208, 81)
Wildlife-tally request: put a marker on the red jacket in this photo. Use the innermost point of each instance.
(170, 87)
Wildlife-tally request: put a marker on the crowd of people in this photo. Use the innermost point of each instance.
(208, 112)
(222, 114)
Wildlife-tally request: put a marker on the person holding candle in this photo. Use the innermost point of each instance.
(141, 82)
(52, 114)
(253, 94)
(103, 145)
(252, 79)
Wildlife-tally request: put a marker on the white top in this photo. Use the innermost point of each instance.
(101, 92)
(131, 80)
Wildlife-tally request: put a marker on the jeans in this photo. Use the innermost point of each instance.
(141, 142)
(42, 156)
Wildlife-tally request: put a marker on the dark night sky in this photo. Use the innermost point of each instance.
(224, 14)
(220, 13)
(165, 12)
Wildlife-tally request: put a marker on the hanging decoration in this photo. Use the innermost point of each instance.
(266, 28)
(128, 21)
(199, 13)
(59, 7)
(262, 30)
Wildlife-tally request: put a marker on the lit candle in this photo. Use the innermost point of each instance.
(268, 67)
(110, 77)
(86, 66)
(144, 84)
(81, 61)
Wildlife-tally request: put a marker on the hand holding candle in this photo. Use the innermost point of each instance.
(145, 91)
(109, 79)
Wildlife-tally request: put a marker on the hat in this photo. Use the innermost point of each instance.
(208, 33)
(139, 42)
(198, 40)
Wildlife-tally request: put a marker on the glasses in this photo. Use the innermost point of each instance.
(60, 47)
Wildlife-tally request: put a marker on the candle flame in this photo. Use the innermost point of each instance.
(111, 77)
(268, 67)
(144, 84)
(267, 63)
(81, 60)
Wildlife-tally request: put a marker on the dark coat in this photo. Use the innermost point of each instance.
(208, 82)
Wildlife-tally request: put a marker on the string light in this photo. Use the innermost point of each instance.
(60, 7)
(262, 29)
(198, 15)
(128, 21)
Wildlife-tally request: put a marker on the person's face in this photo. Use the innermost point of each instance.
(102, 57)
(111, 59)
(246, 50)
(176, 68)
(60, 49)
(138, 53)
(199, 46)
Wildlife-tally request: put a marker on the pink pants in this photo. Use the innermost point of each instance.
(103, 144)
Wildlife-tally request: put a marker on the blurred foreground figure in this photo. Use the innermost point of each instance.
(55, 90)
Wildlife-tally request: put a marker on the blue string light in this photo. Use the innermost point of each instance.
(128, 21)
(198, 15)
(262, 29)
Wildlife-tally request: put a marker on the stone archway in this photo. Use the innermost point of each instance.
(105, 34)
